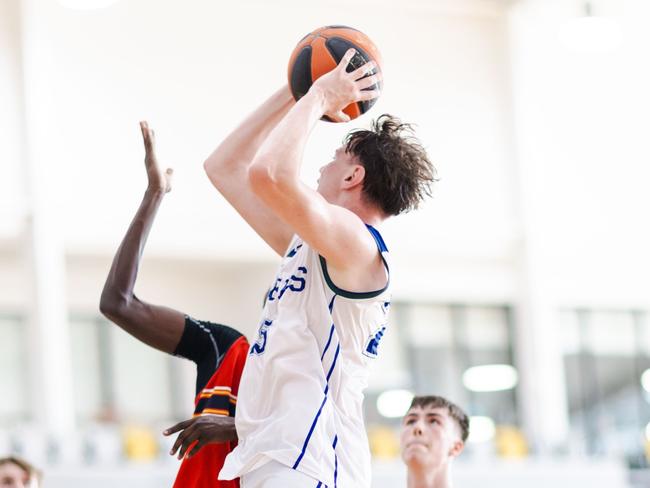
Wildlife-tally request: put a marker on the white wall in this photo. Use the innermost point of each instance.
(195, 70)
(12, 187)
(583, 152)
(581, 167)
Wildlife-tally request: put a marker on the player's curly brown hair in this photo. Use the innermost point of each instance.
(398, 174)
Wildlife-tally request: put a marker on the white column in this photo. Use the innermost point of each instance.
(51, 394)
(542, 393)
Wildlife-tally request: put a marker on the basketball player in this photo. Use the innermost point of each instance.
(434, 432)
(17, 473)
(299, 417)
(218, 351)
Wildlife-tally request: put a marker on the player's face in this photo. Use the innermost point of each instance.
(429, 437)
(333, 174)
(13, 476)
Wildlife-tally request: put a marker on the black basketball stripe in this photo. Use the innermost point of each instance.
(365, 105)
(338, 46)
(301, 74)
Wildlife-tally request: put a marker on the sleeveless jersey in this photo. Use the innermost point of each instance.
(301, 394)
(217, 397)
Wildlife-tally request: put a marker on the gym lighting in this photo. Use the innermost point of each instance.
(645, 380)
(590, 33)
(87, 4)
(481, 429)
(394, 403)
(490, 377)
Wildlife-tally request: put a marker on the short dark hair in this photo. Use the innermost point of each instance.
(398, 171)
(455, 412)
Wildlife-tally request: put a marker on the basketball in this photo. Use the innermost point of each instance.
(321, 50)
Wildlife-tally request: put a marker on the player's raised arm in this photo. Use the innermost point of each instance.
(157, 326)
(228, 166)
(321, 219)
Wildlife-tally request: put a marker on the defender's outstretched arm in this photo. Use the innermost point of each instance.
(155, 325)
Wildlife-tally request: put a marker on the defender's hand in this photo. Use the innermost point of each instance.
(338, 88)
(158, 179)
(199, 431)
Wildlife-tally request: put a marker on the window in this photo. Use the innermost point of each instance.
(89, 349)
(433, 345)
(13, 370)
(605, 356)
(118, 378)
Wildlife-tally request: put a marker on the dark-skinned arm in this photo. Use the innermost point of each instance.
(199, 431)
(155, 325)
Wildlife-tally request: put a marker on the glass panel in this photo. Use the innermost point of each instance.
(607, 410)
(390, 371)
(484, 339)
(13, 370)
(643, 324)
(485, 328)
(430, 349)
(429, 326)
(570, 331)
(141, 379)
(610, 333)
(86, 370)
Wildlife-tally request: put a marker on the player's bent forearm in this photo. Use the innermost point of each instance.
(239, 148)
(227, 168)
(278, 160)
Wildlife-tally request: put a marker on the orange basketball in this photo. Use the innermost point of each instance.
(321, 50)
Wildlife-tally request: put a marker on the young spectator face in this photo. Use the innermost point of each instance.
(430, 437)
(14, 476)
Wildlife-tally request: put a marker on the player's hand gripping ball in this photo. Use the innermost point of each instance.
(321, 50)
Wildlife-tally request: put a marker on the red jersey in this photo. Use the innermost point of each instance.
(217, 397)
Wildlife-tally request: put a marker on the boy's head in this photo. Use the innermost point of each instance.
(398, 173)
(434, 431)
(388, 162)
(16, 473)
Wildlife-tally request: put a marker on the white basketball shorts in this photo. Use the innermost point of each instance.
(276, 475)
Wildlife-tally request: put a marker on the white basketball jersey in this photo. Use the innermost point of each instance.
(301, 392)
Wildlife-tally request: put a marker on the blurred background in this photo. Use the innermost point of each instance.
(521, 289)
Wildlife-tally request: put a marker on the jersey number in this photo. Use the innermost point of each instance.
(260, 343)
(372, 344)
